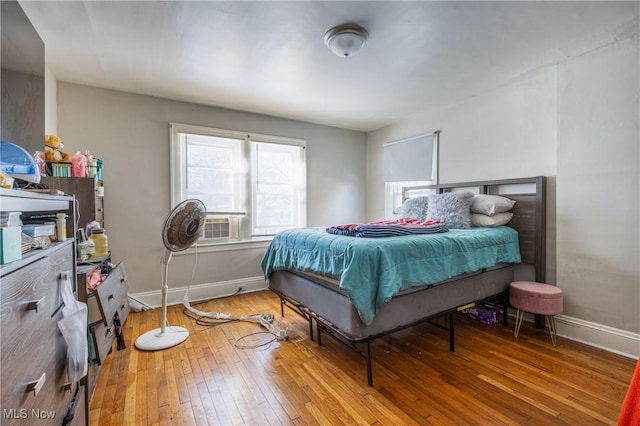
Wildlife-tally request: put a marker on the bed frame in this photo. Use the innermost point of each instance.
(320, 299)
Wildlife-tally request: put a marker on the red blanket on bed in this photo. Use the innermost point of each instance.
(630, 411)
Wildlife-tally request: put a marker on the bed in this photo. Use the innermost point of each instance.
(328, 294)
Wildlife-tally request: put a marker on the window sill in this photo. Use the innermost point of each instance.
(210, 247)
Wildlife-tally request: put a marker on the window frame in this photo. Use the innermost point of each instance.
(178, 173)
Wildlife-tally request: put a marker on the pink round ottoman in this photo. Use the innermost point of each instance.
(536, 298)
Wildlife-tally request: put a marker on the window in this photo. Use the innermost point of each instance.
(253, 186)
(393, 194)
(409, 162)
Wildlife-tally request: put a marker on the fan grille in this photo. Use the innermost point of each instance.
(183, 226)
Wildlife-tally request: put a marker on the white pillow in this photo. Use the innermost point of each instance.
(497, 219)
(491, 204)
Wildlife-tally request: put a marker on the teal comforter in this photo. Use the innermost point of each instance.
(372, 270)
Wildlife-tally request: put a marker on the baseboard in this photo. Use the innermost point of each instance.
(202, 291)
(611, 339)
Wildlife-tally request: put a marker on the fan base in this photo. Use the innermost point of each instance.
(155, 340)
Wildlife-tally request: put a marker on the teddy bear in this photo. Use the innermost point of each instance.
(53, 149)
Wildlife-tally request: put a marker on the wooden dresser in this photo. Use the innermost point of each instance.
(35, 387)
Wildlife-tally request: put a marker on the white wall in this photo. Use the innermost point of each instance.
(597, 186)
(130, 133)
(577, 123)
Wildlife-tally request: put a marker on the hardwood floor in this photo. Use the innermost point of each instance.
(491, 379)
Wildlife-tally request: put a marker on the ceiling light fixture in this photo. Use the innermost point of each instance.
(346, 40)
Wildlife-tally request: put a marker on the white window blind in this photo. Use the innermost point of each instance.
(411, 159)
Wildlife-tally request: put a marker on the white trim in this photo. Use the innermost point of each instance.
(614, 340)
(202, 291)
(436, 155)
(621, 342)
(208, 247)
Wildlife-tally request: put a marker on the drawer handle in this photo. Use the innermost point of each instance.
(34, 305)
(122, 280)
(37, 385)
(108, 331)
(110, 297)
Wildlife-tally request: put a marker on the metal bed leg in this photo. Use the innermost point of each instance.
(452, 334)
(319, 333)
(282, 308)
(311, 328)
(505, 309)
(369, 372)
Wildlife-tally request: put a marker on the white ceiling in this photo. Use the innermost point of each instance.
(269, 57)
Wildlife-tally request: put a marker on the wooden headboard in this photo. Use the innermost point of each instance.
(529, 212)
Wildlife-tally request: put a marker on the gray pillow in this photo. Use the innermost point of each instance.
(415, 208)
(452, 208)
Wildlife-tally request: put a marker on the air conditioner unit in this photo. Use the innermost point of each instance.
(216, 228)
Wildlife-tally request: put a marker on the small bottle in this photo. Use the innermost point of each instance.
(101, 241)
(61, 226)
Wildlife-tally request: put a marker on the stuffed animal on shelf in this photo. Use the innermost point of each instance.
(53, 149)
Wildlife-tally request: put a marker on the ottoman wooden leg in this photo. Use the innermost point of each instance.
(519, 317)
(552, 328)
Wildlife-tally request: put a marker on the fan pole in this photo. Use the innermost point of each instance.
(165, 289)
(163, 337)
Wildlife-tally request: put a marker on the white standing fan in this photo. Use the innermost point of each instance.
(181, 230)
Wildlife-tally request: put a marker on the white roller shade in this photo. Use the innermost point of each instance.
(412, 159)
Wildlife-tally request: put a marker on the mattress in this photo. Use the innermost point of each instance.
(372, 271)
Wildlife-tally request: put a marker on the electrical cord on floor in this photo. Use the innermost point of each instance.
(209, 319)
(265, 320)
(255, 346)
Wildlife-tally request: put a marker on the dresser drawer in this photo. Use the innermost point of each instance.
(35, 389)
(110, 297)
(34, 290)
(102, 337)
(29, 299)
